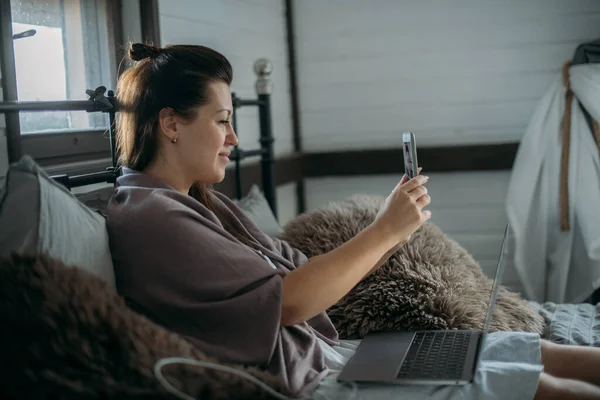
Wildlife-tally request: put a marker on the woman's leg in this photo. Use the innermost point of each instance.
(572, 362)
(553, 388)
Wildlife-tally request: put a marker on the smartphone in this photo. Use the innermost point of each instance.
(409, 149)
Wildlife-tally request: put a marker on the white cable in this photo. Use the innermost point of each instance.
(205, 364)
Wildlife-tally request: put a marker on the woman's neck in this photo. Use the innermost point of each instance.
(169, 175)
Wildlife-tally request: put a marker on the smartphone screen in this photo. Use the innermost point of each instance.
(409, 149)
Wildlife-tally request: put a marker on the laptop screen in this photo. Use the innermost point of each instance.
(497, 280)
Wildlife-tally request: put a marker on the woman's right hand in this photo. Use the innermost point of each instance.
(403, 210)
(316, 285)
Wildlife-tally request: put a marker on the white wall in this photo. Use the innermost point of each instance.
(243, 31)
(459, 71)
(454, 72)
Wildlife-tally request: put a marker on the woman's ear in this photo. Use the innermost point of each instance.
(167, 122)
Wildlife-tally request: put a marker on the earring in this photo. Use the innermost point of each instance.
(174, 140)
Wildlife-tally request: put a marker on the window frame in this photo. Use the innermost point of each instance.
(71, 150)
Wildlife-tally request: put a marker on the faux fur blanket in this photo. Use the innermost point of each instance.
(67, 335)
(430, 283)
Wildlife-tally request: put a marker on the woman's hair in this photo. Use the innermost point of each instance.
(174, 77)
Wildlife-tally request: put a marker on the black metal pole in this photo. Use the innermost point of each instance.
(9, 82)
(264, 88)
(111, 130)
(268, 159)
(238, 159)
(89, 179)
(66, 105)
(241, 102)
(241, 154)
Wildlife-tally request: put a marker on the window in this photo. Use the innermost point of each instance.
(67, 46)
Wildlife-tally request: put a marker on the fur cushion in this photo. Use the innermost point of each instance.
(67, 335)
(430, 283)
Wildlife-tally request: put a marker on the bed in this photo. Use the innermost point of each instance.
(577, 324)
(71, 227)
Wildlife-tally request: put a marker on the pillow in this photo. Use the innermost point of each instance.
(429, 283)
(67, 335)
(256, 207)
(37, 214)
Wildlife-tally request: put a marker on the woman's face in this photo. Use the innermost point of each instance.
(204, 143)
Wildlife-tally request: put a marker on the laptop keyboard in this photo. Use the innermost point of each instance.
(436, 355)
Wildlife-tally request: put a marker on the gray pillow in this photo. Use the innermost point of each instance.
(256, 207)
(37, 214)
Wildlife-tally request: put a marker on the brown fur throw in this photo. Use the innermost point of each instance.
(66, 335)
(430, 283)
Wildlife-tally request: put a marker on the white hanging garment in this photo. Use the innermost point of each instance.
(561, 266)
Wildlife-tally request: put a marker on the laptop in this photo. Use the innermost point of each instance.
(442, 357)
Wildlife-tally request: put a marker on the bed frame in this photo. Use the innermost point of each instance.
(102, 101)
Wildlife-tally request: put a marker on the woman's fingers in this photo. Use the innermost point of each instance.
(423, 200)
(426, 215)
(405, 177)
(417, 192)
(415, 182)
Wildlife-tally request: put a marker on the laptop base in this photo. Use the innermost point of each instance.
(380, 357)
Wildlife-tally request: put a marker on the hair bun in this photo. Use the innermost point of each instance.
(139, 51)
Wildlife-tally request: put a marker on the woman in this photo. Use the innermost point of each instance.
(189, 258)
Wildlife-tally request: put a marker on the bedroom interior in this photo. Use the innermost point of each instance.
(318, 108)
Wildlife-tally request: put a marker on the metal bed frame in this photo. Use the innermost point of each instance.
(99, 102)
